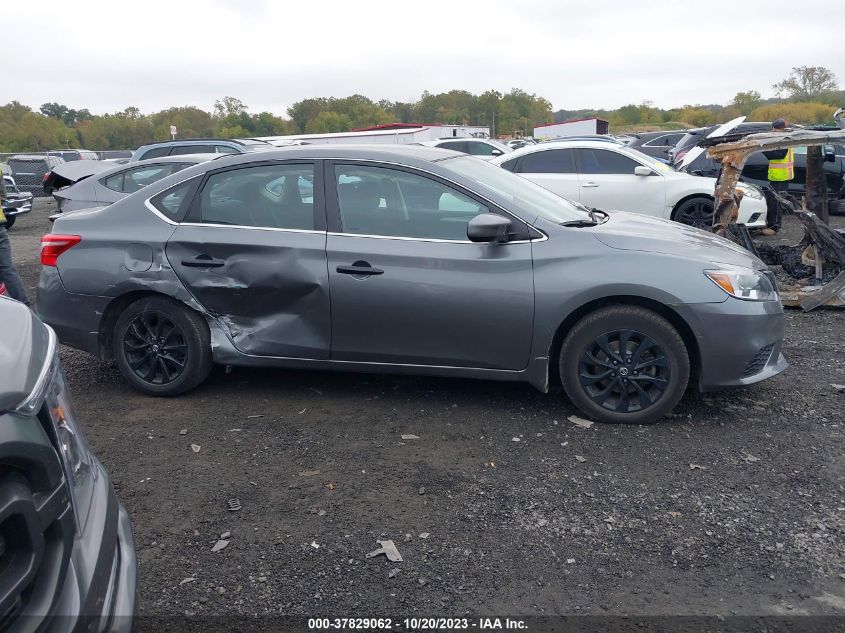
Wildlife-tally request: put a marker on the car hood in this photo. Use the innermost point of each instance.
(634, 232)
(24, 344)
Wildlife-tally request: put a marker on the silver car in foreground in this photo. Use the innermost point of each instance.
(407, 260)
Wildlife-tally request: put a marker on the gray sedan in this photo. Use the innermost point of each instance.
(407, 260)
(100, 187)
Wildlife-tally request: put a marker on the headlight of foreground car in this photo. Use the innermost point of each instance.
(744, 283)
(52, 396)
(750, 191)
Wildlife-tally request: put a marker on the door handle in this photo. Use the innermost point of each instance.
(589, 184)
(203, 261)
(359, 268)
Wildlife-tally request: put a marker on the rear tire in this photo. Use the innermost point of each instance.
(161, 347)
(624, 365)
(697, 212)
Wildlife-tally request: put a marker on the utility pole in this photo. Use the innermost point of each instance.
(493, 131)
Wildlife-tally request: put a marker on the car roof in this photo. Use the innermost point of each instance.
(181, 158)
(407, 154)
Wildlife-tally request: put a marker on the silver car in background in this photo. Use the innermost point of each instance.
(106, 184)
(410, 260)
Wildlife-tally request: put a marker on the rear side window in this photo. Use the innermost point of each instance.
(457, 146)
(132, 180)
(550, 161)
(266, 196)
(156, 152)
(180, 150)
(600, 161)
(172, 203)
(477, 148)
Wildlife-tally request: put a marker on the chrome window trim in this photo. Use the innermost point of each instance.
(376, 162)
(255, 228)
(433, 239)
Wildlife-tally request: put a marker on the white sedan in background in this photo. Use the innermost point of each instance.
(608, 176)
(484, 148)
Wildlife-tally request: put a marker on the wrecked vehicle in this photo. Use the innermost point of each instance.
(411, 260)
(68, 555)
(821, 251)
(74, 186)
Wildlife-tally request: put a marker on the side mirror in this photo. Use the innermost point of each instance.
(642, 170)
(496, 152)
(488, 227)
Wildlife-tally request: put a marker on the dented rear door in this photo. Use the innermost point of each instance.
(252, 251)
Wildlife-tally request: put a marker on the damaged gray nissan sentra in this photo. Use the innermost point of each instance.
(407, 260)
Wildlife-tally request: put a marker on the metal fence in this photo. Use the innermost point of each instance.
(104, 154)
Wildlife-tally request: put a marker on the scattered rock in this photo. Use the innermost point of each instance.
(515, 439)
(423, 535)
(408, 538)
(570, 561)
(309, 473)
(422, 581)
(696, 467)
(220, 545)
(183, 432)
(393, 572)
(543, 522)
(580, 459)
(226, 535)
(185, 581)
(410, 436)
(321, 513)
(751, 459)
(315, 545)
(388, 549)
(196, 448)
(422, 490)
(254, 417)
(584, 424)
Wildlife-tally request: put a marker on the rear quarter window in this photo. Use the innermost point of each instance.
(173, 203)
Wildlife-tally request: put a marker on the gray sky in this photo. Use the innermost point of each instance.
(107, 55)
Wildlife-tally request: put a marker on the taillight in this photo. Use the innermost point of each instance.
(53, 245)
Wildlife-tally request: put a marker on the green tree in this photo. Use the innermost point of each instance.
(806, 83)
(745, 102)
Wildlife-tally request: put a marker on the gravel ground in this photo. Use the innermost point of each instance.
(735, 505)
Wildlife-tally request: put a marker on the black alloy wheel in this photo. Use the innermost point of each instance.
(155, 348)
(624, 371)
(624, 364)
(162, 347)
(696, 212)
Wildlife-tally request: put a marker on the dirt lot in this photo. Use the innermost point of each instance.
(734, 506)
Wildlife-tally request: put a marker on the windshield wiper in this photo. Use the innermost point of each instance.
(579, 223)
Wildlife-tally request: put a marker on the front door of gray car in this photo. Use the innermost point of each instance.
(252, 251)
(408, 287)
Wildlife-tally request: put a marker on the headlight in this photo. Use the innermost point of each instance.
(750, 191)
(78, 464)
(51, 393)
(744, 283)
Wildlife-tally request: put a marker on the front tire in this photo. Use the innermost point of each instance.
(697, 212)
(161, 347)
(624, 364)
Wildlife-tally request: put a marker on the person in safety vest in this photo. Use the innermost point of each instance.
(781, 171)
(8, 275)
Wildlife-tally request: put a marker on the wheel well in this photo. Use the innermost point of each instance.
(112, 313)
(690, 197)
(655, 306)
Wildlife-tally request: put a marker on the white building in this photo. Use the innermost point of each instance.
(573, 127)
(392, 133)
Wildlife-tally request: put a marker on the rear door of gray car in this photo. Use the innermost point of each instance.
(408, 287)
(252, 251)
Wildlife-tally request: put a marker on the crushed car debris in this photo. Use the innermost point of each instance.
(388, 549)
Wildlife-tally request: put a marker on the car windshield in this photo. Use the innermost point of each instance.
(523, 193)
(650, 160)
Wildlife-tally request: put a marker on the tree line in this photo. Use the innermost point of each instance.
(807, 96)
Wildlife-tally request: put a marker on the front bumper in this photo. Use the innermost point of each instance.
(752, 212)
(740, 342)
(100, 589)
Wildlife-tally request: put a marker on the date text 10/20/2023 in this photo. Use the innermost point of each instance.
(416, 624)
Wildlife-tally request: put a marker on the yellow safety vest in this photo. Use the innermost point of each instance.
(782, 169)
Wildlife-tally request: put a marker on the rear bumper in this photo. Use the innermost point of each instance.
(740, 342)
(75, 318)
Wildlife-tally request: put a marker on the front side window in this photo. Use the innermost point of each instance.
(477, 148)
(455, 146)
(395, 203)
(267, 196)
(600, 161)
(550, 161)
